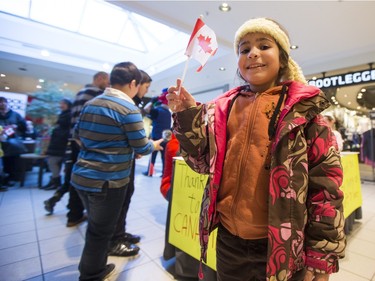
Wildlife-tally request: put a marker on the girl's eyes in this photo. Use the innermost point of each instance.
(244, 51)
(261, 47)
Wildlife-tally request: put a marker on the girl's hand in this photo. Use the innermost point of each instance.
(179, 102)
(310, 276)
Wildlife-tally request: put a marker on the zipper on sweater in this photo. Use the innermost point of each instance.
(244, 155)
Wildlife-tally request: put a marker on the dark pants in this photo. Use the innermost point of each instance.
(75, 205)
(151, 164)
(239, 259)
(121, 223)
(103, 212)
(64, 188)
(11, 166)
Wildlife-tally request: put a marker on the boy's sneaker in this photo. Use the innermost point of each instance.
(131, 238)
(123, 249)
(77, 222)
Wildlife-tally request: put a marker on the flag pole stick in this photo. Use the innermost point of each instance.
(186, 67)
(183, 74)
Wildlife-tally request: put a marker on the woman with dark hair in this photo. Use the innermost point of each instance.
(58, 143)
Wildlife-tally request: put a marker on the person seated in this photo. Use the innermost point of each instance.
(14, 128)
(30, 133)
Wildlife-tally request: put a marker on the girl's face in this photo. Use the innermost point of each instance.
(259, 61)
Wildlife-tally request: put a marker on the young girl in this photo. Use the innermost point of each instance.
(273, 164)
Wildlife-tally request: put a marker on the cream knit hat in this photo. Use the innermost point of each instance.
(270, 27)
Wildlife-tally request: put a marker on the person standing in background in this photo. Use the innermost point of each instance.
(331, 121)
(57, 145)
(172, 149)
(100, 82)
(158, 111)
(143, 89)
(122, 242)
(14, 128)
(110, 131)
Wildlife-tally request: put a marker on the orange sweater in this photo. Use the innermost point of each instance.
(243, 193)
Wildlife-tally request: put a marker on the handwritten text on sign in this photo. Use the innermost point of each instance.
(187, 193)
(351, 185)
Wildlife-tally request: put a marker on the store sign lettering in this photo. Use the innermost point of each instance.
(349, 79)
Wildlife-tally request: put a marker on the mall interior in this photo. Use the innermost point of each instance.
(43, 52)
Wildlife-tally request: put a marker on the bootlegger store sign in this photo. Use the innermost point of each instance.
(348, 79)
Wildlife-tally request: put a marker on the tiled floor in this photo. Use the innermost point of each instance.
(36, 247)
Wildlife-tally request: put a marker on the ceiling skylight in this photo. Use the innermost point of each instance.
(94, 18)
(105, 22)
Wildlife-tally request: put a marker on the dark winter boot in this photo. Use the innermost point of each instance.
(50, 203)
(56, 183)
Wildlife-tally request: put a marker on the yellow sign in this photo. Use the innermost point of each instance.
(188, 189)
(187, 194)
(351, 185)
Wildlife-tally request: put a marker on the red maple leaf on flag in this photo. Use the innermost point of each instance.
(202, 44)
(205, 43)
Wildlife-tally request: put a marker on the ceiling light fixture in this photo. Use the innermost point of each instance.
(2, 75)
(41, 80)
(222, 68)
(224, 7)
(294, 47)
(6, 88)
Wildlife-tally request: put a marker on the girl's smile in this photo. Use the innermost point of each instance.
(258, 61)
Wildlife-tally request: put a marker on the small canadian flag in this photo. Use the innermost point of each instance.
(202, 44)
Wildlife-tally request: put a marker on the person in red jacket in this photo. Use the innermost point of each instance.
(171, 150)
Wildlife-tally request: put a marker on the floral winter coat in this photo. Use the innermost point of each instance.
(306, 223)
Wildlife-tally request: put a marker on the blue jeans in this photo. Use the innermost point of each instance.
(103, 209)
